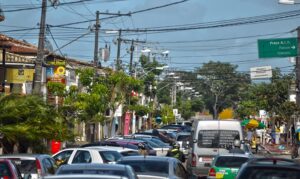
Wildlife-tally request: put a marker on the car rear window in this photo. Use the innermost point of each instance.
(148, 166)
(270, 173)
(110, 156)
(4, 170)
(230, 162)
(93, 171)
(217, 138)
(25, 166)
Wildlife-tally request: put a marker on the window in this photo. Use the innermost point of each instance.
(217, 138)
(4, 170)
(62, 157)
(110, 156)
(230, 162)
(161, 167)
(82, 156)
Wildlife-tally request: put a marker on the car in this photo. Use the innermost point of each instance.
(86, 155)
(86, 176)
(227, 166)
(160, 150)
(123, 151)
(8, 170)
(183, 139)
(98, 169)
(33, 165)
(155, 167)
(134, 143)
(265, 168)
(211, 138)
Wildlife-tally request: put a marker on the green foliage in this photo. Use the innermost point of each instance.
(272, 97)
(27, 119)
(140, 110)
(56, 88)
(220, 84)
(167, 114)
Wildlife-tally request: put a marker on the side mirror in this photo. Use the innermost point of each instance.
(194, 140)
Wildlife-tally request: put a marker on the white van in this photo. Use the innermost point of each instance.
(210, 138)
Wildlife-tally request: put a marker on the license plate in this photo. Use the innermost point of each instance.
(219, 175)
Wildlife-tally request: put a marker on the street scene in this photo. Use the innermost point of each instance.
(145, 89)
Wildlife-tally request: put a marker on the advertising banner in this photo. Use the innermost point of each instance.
(19, 75)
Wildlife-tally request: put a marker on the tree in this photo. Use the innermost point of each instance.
(104, 93)
(220, 84)
(27, 121)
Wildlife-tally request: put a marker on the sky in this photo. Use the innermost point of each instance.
(187, 48)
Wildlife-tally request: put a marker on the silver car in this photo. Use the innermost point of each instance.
(147, 167)
(124, 171)
(34, 166)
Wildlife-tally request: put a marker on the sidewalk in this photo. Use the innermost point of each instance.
(277, 149)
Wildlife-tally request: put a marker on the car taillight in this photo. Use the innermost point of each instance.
(5, 177)
(212, 172)
(194, 160)
(38, 167)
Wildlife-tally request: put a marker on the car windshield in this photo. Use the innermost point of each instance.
(93, 171)
(271, 173)
(4, 170)
(230, 162)
(25, 166)
(148, 166)
(110, 156)
(217, 138)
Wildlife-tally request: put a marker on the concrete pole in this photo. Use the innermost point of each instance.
(37, 83)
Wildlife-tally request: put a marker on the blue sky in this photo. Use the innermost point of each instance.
(184, 54)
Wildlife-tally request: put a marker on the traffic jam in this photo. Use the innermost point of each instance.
(198, 149)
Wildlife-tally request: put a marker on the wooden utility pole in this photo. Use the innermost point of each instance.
(131, 57)
(96, 49)
(37, 83)
(118, 66)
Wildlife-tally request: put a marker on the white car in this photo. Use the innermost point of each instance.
(123, 151)
(86, 155)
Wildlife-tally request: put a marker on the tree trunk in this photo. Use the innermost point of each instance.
(215, 115)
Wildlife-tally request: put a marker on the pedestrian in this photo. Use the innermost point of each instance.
(236, 147)
(176, 153)
(142, 149)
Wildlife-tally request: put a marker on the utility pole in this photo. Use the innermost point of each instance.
(96, 50)
(131, 57)
(118, 66)
(298, 71)
(37, 83)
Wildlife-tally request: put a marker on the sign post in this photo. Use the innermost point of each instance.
(282, 47)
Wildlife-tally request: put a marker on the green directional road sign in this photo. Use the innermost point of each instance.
(282, 47)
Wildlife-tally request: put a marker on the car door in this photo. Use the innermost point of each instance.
(63, 157)
(48, 167)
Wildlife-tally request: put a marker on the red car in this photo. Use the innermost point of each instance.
(8, 170)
